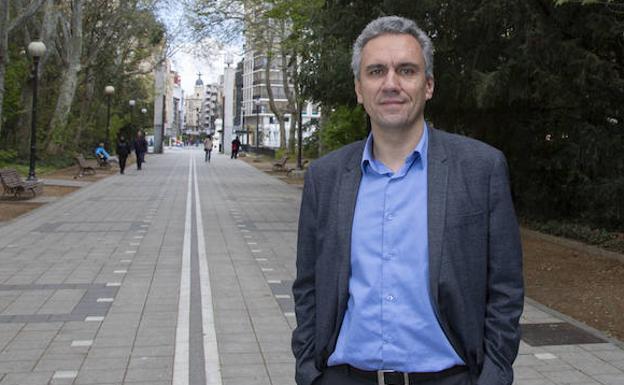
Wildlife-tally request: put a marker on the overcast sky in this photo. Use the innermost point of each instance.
(190, 58)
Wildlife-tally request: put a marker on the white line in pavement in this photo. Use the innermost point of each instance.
(181, 358)
(81, 343)
(105, 299)
(211, 353)
(274, 281)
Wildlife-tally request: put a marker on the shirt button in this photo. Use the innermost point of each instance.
(390, 217)
(390, 297)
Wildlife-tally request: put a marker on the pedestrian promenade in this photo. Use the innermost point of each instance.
(180, 274)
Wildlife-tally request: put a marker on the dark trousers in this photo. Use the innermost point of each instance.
(140, 156)
(340, 375)
(234, 154)
(122, 163)
(207, 158)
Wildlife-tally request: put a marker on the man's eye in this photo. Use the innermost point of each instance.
(375, 72)
(407, 71)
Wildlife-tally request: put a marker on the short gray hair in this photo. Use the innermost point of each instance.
(392, 25)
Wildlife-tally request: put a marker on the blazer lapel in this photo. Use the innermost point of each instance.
(437, 180)
(348, 189)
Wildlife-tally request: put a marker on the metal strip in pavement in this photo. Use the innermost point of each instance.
(181, 358)
(211, 353)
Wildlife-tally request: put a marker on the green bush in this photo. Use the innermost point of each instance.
(344, 125)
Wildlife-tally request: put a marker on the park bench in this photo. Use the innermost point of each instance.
(13, 184)
(102, 163)
(281, 164)
(304, 164)
(83, 166)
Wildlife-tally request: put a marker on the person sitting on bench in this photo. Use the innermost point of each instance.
(103, 156)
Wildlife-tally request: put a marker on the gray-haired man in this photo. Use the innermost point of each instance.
(409, 263)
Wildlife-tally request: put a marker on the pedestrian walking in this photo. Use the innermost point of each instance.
(409, 262)
(140, 148)
(207, 148)
(236, 144)
(123, 150)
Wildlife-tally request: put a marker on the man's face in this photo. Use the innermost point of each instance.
(392, 86)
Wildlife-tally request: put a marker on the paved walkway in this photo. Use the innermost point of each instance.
(180, 274)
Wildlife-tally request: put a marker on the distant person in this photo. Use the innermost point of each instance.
(140, 148)
(103, 156)
(101, 153)
(123, 150)
(236, 144)
(208, 148)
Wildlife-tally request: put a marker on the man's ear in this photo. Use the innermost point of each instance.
(430, 86)
(357, 91)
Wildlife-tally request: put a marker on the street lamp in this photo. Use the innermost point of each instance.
(257, 104)
(36, 49)
(131, 103)
(108, 91)
(143, 111)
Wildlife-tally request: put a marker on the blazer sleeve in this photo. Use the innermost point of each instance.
(304, 294)
(505, 296)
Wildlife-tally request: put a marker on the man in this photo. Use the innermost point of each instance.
(236, 144)
(123, 150)
(208, 148)
(409, 263)
(140, 148)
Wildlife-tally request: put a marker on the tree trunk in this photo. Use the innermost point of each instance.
(56, 136)
(292, 129)
(279, 115)
(4, 54)
(48, 32)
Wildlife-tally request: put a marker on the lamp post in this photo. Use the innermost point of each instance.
(36, 49)
(257, 104)
(108, 91)
(131, 103)
(143, 111)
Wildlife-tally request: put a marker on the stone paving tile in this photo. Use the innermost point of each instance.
(90, 377)
(28, 378)
(610, 379)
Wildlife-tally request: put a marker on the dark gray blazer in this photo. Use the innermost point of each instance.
(475, 256)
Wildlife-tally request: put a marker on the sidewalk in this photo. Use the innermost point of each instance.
(132, 280)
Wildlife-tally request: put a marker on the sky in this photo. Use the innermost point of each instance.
(189, 59)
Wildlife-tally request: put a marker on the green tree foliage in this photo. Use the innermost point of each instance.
(541, 80)
(120, 41)
(344, 125)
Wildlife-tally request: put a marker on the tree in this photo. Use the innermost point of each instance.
(8, 24)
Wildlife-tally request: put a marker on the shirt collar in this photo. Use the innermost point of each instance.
(419, 152)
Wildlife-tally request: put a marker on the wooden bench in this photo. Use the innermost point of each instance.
(13, 184)
(102, 163)
(83, 167)
(281, 165)
(304, 164)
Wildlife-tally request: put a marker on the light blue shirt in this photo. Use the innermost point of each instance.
(390, 323)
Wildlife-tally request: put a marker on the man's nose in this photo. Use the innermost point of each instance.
(391, 81)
